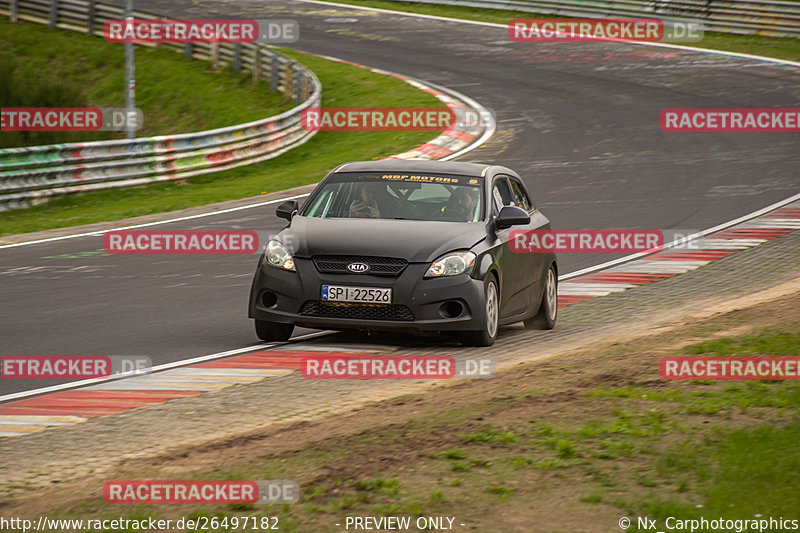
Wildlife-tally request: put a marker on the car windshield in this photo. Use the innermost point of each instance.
(400, 196)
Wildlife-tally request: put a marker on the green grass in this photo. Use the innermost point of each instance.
(767, 343)
(777, 47)
(712, 397)
(564, 448)
(746, 474)
(753, 463)
(343, 85)
(489, 434)
(44, 67)
(722, 398)
(452, 453)
(736, 473)
(378, 485)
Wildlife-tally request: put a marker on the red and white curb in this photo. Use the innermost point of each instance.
(671, 262)
(473, 126)
(67, 407)
(472, 122)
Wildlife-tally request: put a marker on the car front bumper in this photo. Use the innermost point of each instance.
(418, 305)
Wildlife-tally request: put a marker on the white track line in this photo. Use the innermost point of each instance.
(684, 240)
(146, 224)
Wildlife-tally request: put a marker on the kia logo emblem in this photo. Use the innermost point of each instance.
(358, 267)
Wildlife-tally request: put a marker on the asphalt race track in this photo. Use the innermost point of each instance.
(579, 121)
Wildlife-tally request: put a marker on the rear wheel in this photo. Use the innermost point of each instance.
(270, 331)
(545, 318)
(488, 334)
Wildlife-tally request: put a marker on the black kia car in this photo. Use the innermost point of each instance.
(413, 246)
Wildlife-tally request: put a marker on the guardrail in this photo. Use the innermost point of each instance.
(31, 174)
(762, 17)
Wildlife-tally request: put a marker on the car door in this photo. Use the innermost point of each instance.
(535, 264)
(514, 297)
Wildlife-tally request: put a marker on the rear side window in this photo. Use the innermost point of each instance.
(521, 197)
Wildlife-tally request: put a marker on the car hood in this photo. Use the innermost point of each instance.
(415, 241)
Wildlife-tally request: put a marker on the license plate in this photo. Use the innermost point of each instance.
(372, 295)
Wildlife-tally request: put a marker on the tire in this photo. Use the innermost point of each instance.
(270, 331)
(546, 317)
(488, 334)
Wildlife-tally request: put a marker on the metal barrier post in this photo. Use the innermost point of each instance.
(237, 57)
(54, 14)
(298, 87)
(90, 22)
(130, 79)
(287, 80)
(306, 87)
(256, 63)
(215, 55)
(273, 77)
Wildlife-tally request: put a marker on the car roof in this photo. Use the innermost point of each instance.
(420, 165)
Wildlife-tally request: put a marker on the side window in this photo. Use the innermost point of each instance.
(502, 194)
(521, 197)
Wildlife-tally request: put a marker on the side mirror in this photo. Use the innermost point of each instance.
(512, 216)
(287, 209)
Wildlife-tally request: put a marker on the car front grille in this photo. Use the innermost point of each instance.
(378, 266)
(356, 311)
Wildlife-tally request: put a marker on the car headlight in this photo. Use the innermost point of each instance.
(278, 255)
(451, 264)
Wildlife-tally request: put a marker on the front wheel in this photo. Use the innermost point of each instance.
(270, 331)
(488, 334)
(548, 310)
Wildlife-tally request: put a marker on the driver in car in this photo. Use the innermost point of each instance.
(368, 204)
(461, 206)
